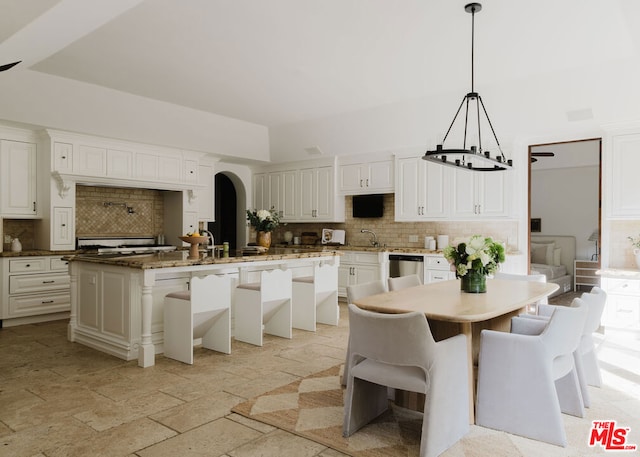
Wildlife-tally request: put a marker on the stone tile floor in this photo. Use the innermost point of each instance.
(63, 399)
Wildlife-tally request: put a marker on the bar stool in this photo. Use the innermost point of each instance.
(202, 312)
(315, 298)
(264, 306)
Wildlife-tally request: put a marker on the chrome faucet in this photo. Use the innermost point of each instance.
(374, 241)
(210, 243)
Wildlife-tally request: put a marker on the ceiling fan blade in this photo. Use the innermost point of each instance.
(9, 65)
(543, 154)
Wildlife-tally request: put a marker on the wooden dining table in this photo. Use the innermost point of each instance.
(451, 311)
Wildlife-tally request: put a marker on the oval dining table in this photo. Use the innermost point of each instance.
(451, 311)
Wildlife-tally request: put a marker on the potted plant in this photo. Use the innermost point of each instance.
(264, 222)
(635, 242)
(475, 260)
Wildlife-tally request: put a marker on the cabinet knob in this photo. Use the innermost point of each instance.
(27, 265)
(63, 157)
(63, 225)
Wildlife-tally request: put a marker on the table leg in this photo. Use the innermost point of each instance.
(465, 329)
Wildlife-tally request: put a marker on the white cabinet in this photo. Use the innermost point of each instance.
(479, 194)
(365, 178)
(317, 194)
(206, 195)
(283, 194)
(34, 288)
(622, 310)
(63, 228)
(90, 161)
(260, 191)
(358, 267)
(420, 190)
(623, 176)
(191, 171)
(437, 268)
(19, 176)
(119, 163)
(62, 157)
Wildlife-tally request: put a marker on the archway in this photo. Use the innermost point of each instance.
(230, 201)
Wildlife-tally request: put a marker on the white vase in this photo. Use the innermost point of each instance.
(636, 251)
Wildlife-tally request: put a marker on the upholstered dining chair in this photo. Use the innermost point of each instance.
(532, 308)
(398, 351)
(528, 377)
(402, 282)
(585, 355)
(354, 292)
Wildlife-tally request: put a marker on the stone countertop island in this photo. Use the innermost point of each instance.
(117, 301)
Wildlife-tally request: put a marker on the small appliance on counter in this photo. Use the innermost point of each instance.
(331, 236)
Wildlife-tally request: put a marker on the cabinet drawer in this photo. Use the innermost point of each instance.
(439, 275)
(57, 263)
(437, 263)
(621, 286)
(33, 264)
(38, 283)
(39, 304)
(362, 257)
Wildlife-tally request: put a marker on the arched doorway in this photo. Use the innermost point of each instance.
(229, 213)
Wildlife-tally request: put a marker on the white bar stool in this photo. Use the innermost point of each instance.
(315, 298)
(202, 312)
(264, 306)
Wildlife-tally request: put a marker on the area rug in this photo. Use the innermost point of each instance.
(313, 408)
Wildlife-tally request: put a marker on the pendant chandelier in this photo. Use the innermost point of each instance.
(473, 157)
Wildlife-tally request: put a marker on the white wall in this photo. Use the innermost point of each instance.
(566, 200)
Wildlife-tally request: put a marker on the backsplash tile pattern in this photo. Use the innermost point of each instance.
(620, 248)
(396, 234)
(23, 229)
(93, 218)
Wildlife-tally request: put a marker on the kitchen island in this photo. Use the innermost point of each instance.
(117, 301)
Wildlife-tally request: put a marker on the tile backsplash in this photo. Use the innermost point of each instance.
(397, 234)
(94, 218)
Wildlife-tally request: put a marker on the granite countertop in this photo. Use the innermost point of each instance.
(180, 258)
(36, 252)
(619, 273)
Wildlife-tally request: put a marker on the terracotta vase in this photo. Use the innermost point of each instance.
(263, 239)
(473, 282)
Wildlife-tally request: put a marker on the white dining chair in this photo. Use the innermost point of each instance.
(533, 307)
(315, 298)
(203, 312)
(528, 377)
(398, 351)
(354, 292)
(264, 307)
(585, 355)
(402, 282)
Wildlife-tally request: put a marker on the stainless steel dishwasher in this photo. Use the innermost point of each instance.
(406, 264)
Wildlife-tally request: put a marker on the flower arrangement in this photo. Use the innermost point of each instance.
(635, 242)
(263, 220)
(480, 255)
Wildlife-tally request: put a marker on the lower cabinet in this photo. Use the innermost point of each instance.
(622, 310)
(34, 289)
(357, 267)
(437, 268)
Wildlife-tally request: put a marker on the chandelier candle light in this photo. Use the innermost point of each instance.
(473, 157)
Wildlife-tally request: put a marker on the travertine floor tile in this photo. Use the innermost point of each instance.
(278, 444)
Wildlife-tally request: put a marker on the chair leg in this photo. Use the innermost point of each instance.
(218, 336)
(591, 369)
(248, 318)
(278, 320)
(577, 358)
(304, 307)
(327, 310)
(569, 394)
(178, 331)
(364, 402)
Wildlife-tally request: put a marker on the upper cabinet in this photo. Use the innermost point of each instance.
(428, 191)
(102, 161)
(623, 201)
(300, 192)
(479, 194)
(18, 172)
(420, 190)
(366, 177)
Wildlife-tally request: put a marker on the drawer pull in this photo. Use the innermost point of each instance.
(48, 282)
(27, 265)
(44, 302)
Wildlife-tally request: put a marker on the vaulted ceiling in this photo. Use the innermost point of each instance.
(273, 64)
